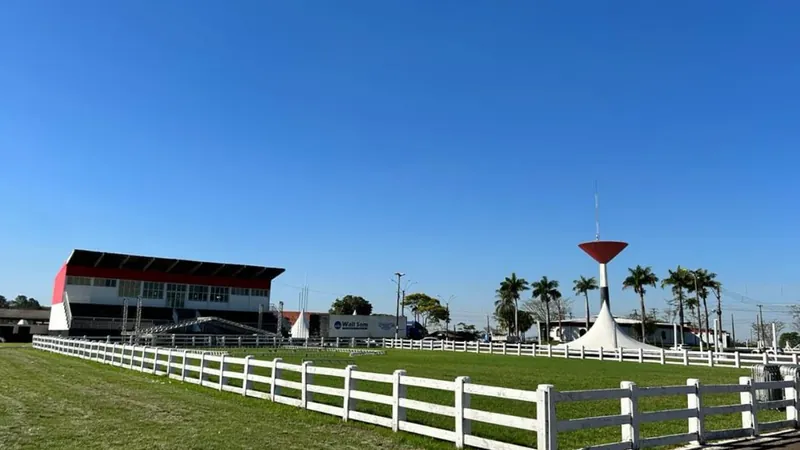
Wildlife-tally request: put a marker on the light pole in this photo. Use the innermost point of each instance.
(409, 283)
(397, 307)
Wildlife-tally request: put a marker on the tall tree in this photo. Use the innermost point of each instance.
(705, 280)
(582, 286)
(23, 302)
(511, 288)
(546, 290)
(426, 309)
(716, 288)
(3, 302)
(638, 279)
(678, 280)
(351, 303)
(693, 305)
(416, 301)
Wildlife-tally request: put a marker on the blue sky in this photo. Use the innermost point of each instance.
(454, 141)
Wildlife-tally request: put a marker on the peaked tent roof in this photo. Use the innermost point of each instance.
(300, 327)
(606, 333)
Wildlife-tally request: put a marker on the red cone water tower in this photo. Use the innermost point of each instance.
(603, 252)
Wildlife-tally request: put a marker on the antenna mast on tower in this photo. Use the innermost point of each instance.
(596, 213)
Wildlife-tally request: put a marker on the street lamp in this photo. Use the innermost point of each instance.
(397, 307)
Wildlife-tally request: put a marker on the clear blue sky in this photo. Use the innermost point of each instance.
(454, 141)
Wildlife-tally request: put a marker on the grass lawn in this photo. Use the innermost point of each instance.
(71, 403)
(526, 372)
(49, 401)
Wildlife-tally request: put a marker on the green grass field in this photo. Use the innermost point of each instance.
(75, 403)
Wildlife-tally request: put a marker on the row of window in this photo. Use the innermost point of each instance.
(178, 292)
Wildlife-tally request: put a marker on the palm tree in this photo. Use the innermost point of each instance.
(716, 287)
(693, 305)
(511, 288)
(546, 290)
(679, 280)
(705, 281)
(638, 279)
(582, 286)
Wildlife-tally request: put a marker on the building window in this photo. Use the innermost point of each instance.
(105, 282)
(240, 291)
(176, 295)
(259, 292)
(79, 281)
(198, 293)
(152, 290)
(219, 294)
(129, 288)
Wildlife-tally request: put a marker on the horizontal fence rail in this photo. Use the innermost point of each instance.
(269, 380)
(662, 356)
(708, 358)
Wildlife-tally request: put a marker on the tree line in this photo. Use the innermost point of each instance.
(20, 302)
(691, 289)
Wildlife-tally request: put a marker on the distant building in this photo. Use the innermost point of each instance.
(663, 335)
(19, 325)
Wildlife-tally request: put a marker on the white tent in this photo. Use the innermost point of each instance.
(605, 333)
(300, 327)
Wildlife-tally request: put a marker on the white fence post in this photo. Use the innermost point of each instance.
(583, 352)
(663, 356)
(710, 358)
(566, 351)
(790, 393)
(695, 402)
(685, 357)
(183, 365)
(546, 435)
(247, 370)
(275, 390)
(748, 397)
(600, 354)
(306, 379)
(736, 360)
(549, 350)
(155, 360)
(169, 362)
(398, 392)
(202, 367)
(462, 401)
(641, 355)
(348, 402)
(222, 366)
(620, 354)
(629, 406)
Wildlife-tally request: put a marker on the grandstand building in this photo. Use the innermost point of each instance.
(92, 288)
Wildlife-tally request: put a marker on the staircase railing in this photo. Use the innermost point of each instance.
(67, 310)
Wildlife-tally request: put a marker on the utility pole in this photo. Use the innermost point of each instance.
(719, 306)
(447, 321)
(733, 332)
(488, 328)
(761, 333)
(397, 307)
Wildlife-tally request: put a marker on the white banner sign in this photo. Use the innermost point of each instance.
(364, 326)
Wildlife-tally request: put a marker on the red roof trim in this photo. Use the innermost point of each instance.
(161, 277)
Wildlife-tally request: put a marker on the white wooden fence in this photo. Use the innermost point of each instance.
(661, 356)
(196, 367)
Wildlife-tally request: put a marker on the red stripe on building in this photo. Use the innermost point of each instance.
(58, 286)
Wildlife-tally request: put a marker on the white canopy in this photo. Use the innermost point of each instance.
(300, 327)
(605, 333)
